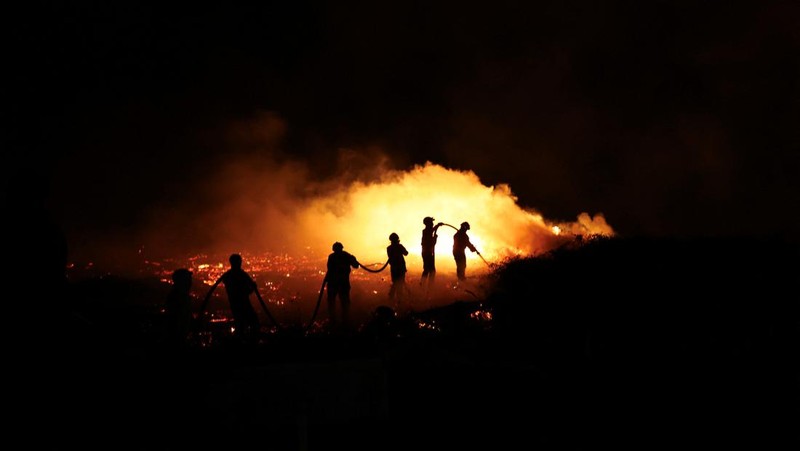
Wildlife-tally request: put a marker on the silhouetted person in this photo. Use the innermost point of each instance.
(178, 309)
(429, 237)
(338, 282)
(460, 244)
(239, 286)
(397, 265)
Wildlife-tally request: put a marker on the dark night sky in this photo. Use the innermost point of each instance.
(670, 117)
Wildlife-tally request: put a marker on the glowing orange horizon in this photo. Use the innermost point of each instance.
(262, 209)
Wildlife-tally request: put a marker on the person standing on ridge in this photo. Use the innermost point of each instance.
(239, 286)
(429, 237)
(460, 244)
(397, 263)
(338, 282)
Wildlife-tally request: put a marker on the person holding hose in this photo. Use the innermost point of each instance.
(460, 244)
(238, 286)
(338, 281)
(429, 237)
(396, 254)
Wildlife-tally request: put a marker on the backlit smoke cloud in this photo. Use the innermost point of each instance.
(362, 215)
(258, 202)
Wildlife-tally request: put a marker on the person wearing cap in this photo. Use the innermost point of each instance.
(429, 237)
(338, 282)
(397, 265)
(460, 244)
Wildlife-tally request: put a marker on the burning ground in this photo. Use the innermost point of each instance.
(284, 223)
(613, 340)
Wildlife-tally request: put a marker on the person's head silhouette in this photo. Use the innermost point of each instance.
(465, 225)
(337, 247)
(236, 261)
(428, 221)
(394, 238)
(182, 278)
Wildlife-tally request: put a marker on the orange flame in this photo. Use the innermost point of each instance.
(362, 215)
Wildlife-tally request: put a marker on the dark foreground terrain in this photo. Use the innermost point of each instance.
(618, 343)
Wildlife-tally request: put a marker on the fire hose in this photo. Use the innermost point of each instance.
(374, 270)
(266, 310)
(260, 300)
(325, 281)
(322, 290)
(319, 300)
